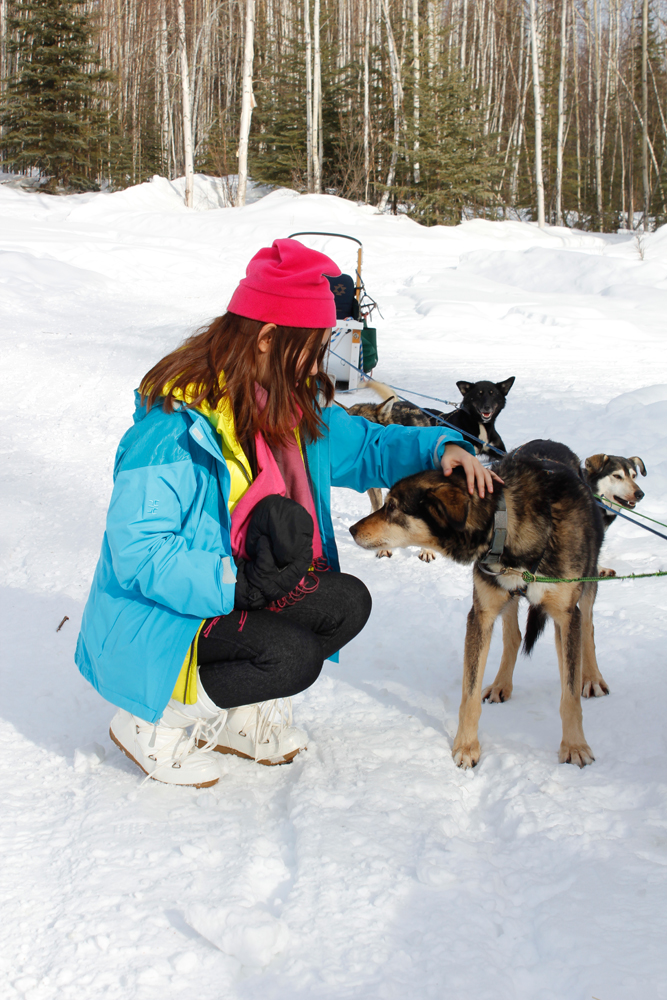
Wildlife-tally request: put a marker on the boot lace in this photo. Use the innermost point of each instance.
(176, 749)
(272, 718)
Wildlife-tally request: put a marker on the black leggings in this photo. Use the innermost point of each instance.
(246, 657)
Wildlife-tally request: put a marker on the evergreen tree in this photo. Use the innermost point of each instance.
(277, 153)
(49, 118)
(459, 164)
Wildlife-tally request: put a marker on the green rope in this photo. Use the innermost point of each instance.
(632, 510)
(533, 578)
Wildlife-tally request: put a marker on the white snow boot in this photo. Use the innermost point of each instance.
(263, 733)
(166, 751)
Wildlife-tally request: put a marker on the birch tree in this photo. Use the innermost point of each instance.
(247, 101)
(646, 225)
(318, 138)
(537, 98)
(560, 138)
(397, 100)
(188, 149)
(415, 84)
(309, 94)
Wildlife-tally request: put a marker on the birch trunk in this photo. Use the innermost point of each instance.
(464, 34)
(645, 178)
(317, 101)
(416, 83)
(598, 118)
(397, 97)
(247, 101)
(309, 95)
(4, 69)
(430, 15)
(560, 140)
(537, 97)
(367, 105)
(187, 108)
(575, 51)
(166, 129)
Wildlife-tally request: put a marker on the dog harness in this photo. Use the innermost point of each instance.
(494, 554)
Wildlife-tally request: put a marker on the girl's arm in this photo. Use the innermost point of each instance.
(364, 454)
(149, 554)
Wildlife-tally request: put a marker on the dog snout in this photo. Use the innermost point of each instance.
(639, 495)
(354, 528)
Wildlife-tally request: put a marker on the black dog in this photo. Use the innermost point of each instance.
(482, 402)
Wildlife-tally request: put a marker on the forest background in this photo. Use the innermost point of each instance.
(553, 110)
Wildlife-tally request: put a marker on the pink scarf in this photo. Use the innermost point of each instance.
(280, 471)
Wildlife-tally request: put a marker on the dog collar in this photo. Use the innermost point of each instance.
(494, 554)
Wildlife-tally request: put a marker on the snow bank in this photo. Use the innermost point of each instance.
(371, 867)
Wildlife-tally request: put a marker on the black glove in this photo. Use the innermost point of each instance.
(279, 545)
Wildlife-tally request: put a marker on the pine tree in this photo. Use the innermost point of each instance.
(459, 167)
(277, 153)
(50, 118)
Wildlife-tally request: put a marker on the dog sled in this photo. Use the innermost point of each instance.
(353, 346)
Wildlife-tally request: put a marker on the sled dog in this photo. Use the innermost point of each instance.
(545, 520)
(613, 478)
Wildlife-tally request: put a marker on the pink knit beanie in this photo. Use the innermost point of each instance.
(285, 285)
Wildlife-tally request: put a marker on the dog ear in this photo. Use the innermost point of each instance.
(463, 387)
(448, 505)
(594, 463)
(506, 385)
(638, 464)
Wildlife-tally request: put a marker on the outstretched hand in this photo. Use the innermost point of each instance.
(476, 473)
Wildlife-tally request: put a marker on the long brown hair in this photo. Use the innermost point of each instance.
(229, 345)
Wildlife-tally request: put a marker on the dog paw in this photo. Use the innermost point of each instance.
(426, 555)
(466, 754)
(594, 688)
(605, 571)
(497, 693)
(579, 754)
(384, 553)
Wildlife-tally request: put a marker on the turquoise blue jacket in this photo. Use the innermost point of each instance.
(166, 560)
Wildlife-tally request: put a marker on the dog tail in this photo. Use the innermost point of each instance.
(383, 391)
(537, 619)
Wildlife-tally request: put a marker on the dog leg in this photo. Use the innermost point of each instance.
(562, 607)
(487, 603)
(426, 555)
(593, 683)
(375, 497)
(501, 689)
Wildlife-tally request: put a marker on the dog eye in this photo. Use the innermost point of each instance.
(390, 505)
(617, 475)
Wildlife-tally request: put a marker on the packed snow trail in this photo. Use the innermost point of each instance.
(371, 867)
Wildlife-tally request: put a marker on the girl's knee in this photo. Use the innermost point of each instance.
(358, 597)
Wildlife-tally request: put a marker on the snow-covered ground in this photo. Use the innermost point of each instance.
(371, 867)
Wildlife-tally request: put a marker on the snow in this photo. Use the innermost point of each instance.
(370, 867)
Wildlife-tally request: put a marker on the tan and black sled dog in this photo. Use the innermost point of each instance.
(614, 479)
(544, 519)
